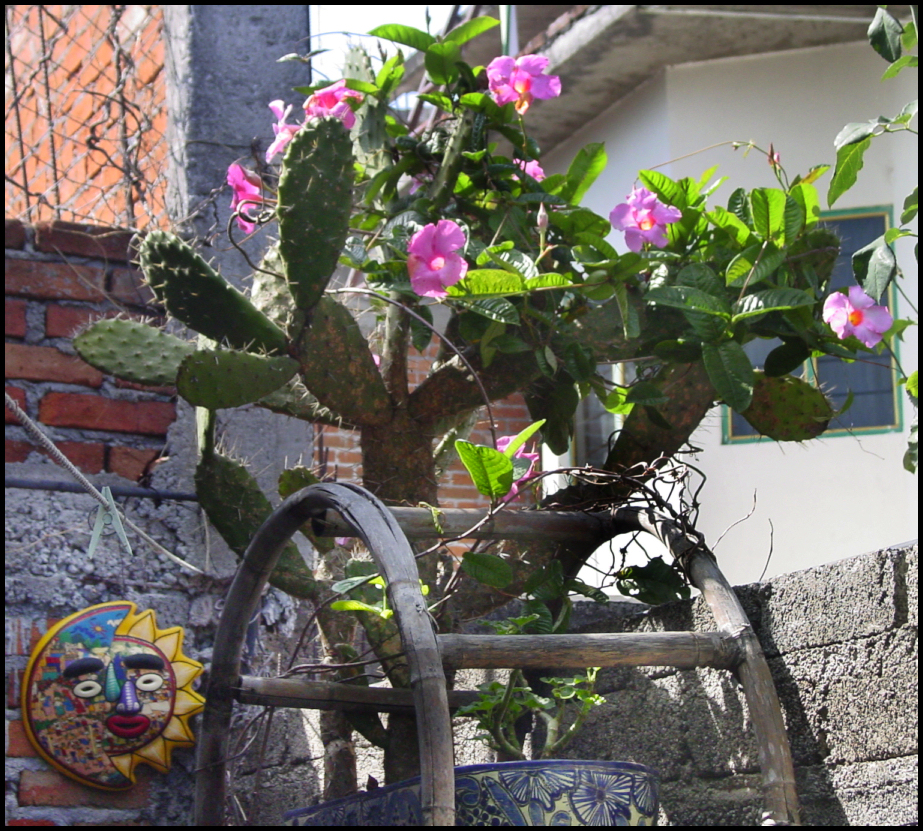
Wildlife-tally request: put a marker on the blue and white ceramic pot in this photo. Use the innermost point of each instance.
(547, 792)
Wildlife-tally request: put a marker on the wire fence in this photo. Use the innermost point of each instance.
(85, 115)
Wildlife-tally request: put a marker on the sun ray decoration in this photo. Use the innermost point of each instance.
(105, 690)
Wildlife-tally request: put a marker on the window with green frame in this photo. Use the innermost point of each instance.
(872, 378)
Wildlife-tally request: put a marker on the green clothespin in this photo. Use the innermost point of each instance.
(108, 515)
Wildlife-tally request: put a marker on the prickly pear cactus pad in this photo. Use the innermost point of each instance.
(133, 351)
(315, 198)
(787, 408)
(197, 295)
(220, 378)
(106, 690)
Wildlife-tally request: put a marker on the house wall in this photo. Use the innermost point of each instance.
(834, 494)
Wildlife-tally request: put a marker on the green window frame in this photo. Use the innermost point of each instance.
(876, 405)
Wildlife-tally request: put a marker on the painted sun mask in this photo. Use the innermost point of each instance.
(105, 690)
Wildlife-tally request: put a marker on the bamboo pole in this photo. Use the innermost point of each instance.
(329, 695)
(685, 650)
(394, 557)
(779, 793)
(561, 526)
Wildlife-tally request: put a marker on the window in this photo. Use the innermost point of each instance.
(872, 378)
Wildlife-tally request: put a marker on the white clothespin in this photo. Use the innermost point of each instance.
(108, 515)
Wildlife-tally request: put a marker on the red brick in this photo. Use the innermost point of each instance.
(48, 787)
(44, 363)
(16, 451)
(14, 234)
(128, 286)
(19, 396)
(67, 321)
(130, 462)
(91, 412)
(86, 240)
(18, 743)
(55, 281)
(88, 456)
(15, 318)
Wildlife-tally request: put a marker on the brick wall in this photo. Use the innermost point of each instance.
(60, 276)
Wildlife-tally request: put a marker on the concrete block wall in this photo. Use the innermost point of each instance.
(841, 641)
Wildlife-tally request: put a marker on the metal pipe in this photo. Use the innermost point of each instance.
(116, 490)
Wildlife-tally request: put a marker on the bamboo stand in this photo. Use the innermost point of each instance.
(733, 646)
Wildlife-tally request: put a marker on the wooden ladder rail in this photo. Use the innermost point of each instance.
(734, 647)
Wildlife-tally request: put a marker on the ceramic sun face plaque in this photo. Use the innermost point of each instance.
(106, 690)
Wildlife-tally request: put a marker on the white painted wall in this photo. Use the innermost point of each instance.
(833, 497)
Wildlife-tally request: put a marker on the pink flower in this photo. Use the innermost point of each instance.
(248, 195)
(502, 443)
(644, 218)
(284, 132)
(332, 101)
(521, 81)
(533, 169)
(433, 264)
(857, 314)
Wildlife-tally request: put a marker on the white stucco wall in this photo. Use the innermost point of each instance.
(832, 497)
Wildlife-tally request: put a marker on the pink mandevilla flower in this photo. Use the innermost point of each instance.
(333, 101)
(644, 218)
(284, 132)
(502, 443)
(533, 169)
(856, 314)
(433, 264)
(248, 195)
(521, 81)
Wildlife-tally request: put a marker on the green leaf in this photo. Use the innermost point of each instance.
(586, 166)
(617, 402)
(550, 280)
(848, 164)
(362, 86)
(770, 300)
(687, 297)
(358, 606)
(786, 358)
(855, 132)
(631, 327)
(494, 308)
(646, 392)
(754, 264)
(405, 35)
(875, 267)
(913, 447)
(522, 437)
(768, 208)
(471, 29)
(884, 35)
(731, 373)
(910, 207)
(913, 385)
(488, 569)
(490, 470)
(805, 194)
(664, 187)
(729, 222)
(902, 63)
(441, 61)
(487, 282)
(347, 585)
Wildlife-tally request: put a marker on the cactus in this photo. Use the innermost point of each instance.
(133, 351)
(787, 408)
(222, 378)
(315, 198)
(269, 291)
(194, 293)
(236, 506)
(295, 401)
(337, 367)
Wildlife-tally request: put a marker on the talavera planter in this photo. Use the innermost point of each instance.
(548, 792)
